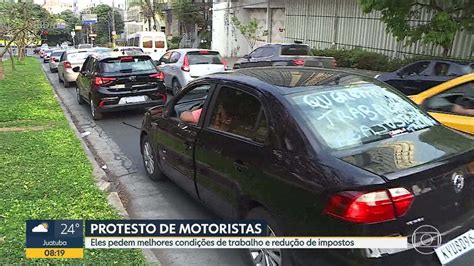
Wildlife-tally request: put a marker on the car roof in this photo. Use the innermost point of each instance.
(287, 80)
(102, 56)
(446, 61)
(186, 50)
(79, 50)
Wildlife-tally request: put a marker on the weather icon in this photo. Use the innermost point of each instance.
(41, 228)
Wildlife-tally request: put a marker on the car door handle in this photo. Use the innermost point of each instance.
(240, 166)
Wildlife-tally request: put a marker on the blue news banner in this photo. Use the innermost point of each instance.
(170, 233)
(54, 239)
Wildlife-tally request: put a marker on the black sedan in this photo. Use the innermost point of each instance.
(112, 82)
(422, 75)
(314, 152)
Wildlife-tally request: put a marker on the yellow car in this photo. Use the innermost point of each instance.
(451, 103)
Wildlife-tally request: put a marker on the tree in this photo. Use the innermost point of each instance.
(103, 28)
(250, 30)
(22, 23)
(188, 14)
(447, 18)
(150, 9)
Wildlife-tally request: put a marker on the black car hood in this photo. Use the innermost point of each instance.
(410, 150)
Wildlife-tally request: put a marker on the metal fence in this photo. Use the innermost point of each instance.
(342, 24)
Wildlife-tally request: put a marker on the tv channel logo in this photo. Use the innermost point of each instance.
(426, 239)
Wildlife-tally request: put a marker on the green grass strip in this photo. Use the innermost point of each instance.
(44, 174)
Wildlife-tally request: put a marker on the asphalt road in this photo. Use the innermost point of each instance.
(146, 199)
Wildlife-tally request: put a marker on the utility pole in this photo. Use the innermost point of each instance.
(269, 22)
(113, 24)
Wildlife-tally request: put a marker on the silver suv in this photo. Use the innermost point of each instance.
(180, 66)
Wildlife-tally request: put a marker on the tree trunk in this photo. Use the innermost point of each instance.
(2, 73)
(10, 52)
(149, 24)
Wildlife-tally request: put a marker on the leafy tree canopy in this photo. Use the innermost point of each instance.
(447, 18)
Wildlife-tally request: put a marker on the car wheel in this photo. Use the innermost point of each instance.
(151, 161)
(175, 86)
(79, 99)
(96, 115)
(266, 256)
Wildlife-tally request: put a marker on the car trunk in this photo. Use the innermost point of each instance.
(436, 165)
(204, 62)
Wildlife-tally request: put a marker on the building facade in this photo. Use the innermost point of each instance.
(227, 39)
(342, 24)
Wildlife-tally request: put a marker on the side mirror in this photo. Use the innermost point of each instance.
(76, 69)
(246, 56)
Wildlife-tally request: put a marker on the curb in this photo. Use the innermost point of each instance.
(101, 178)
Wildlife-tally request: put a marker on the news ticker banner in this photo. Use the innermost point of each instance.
(68, 238)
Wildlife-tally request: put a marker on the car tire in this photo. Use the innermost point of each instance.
(79, 99)
(175, 86)
(151, 161)
(268, 256)
(94, 113)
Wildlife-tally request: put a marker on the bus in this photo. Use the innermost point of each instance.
(152, 42)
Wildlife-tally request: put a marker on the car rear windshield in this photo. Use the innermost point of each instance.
(78, 56)
(204, 58)
(295, 50)
(57, 54)
(344, 117)
(126, 65)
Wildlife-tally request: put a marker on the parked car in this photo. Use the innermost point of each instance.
(180, 66)
(111, 82)
(451, 103)
(70, 59)
(129, 50)
(337, 155)
(54, 60)
(42, 48)
(422, 75)
(292, 54)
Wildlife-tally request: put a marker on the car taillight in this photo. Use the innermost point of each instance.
(127, 59)
(52, 59)
(204, 52)
(101, 81)
(66, 64)
(160, 76)
(163, 96)
(370, 207)
(298, 62)
(185, 66)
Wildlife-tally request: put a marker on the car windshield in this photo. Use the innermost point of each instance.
(204, 58)
(126, 65)
(349, 116)
(295, 50)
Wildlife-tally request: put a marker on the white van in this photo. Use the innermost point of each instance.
(152, 42)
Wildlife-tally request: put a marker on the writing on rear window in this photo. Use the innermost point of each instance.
(349, 116)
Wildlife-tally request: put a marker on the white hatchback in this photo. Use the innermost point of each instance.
(180, 66)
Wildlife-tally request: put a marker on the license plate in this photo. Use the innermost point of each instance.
(456, 247)
(132, 99)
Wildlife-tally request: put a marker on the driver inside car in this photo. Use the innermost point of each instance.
(465, 105)
(191, 116)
